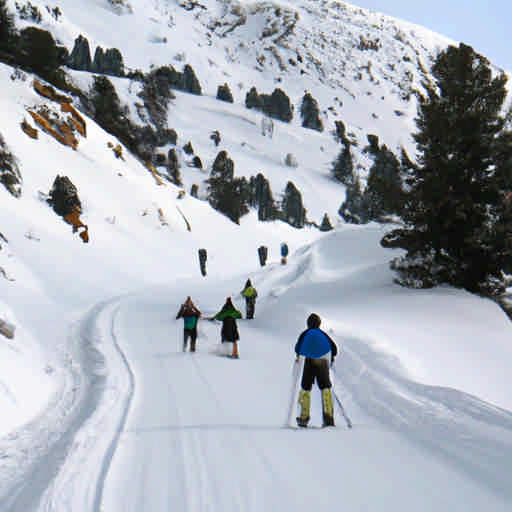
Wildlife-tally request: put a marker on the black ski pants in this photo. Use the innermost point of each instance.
(316, 369)
(250, 304)
(192, 334)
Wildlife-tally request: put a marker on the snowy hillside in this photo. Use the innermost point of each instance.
(100, 410)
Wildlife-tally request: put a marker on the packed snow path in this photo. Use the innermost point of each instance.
(204, 432)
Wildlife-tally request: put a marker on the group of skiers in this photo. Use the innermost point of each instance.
(314, 345)
(228, 315)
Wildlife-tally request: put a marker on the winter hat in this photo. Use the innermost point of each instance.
(248, 283)
(313, 321)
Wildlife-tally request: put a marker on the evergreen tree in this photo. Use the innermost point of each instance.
(38, 51)
(343, 166)
(261, 198)
(455, 198)
(326, 223)
(355, 208)
(292, 208)
(190, 81)
(383, 192)
(106, 105)
(310, 113)
(227, 194)
(6, 26)
(224, 93)
(278, 105)
(253, 99)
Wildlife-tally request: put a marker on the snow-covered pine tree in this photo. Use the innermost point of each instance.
(310, 113)
(455, 198)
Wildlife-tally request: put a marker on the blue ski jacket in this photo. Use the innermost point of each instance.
(315, 343)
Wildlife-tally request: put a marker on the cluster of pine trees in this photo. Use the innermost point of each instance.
(455, 202)
(233, 196)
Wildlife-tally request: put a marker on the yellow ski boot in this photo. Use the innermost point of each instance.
(305, 404)
(327, 408)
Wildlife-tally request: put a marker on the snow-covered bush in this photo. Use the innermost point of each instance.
(290, 160)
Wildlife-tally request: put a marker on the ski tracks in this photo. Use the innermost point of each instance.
(210, 452)
(69, 474)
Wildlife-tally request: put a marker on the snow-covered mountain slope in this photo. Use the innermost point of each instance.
(422, 363)
(362, 67)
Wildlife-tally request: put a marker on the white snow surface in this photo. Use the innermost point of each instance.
(99, 407)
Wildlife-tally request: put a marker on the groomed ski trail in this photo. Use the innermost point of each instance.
(168, 430)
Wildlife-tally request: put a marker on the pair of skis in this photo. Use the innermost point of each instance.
(298, 368)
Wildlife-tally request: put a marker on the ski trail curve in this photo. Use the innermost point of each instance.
(98, 400)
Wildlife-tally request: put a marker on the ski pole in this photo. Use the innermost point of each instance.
(340, 405)
(296, 373)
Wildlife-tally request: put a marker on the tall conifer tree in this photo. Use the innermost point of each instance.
(455, 194)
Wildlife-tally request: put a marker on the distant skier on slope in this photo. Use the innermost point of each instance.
(190, 315)
(250, 294)
(284, 253)
(319, 350)
(229, 332)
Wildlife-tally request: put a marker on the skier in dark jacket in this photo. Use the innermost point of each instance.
(190, 315)
(319, 350)
(250, 294)
(229, 332)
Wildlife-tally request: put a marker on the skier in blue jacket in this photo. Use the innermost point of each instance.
(319, 350)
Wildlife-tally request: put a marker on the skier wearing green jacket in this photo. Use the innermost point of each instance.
(229, 332)
(250, 294)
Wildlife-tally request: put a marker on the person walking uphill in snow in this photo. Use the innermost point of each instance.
(229, 332)
(190, 315)
(319, 350)
(250, 294)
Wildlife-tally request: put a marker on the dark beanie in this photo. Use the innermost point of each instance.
(313, 321)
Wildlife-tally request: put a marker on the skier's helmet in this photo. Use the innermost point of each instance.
(313, 321)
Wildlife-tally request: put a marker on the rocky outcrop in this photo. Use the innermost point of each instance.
(59, 129)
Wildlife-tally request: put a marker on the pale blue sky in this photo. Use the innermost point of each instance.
(486, 26)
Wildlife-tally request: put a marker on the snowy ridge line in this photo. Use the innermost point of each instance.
(99, 395)
(472, 435)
